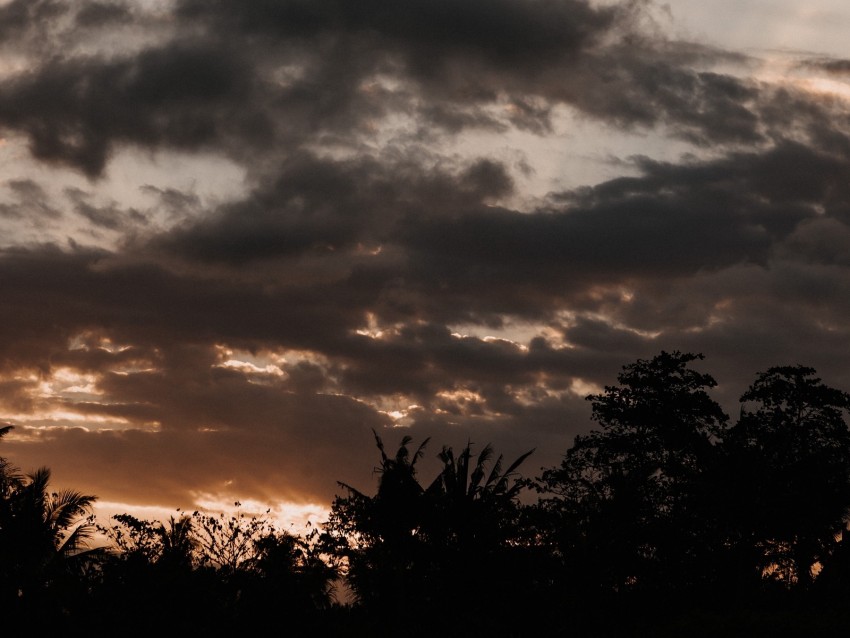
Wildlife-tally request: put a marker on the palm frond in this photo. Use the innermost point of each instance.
(446, 455)
(76, 540)
(503, 481)
(67, 506)
(495, 472)
(519, 462)
(486, 454)
(352, 490)
(403, 453)
(420, 451)
(380, 445)
(39, 480)
(478, 472)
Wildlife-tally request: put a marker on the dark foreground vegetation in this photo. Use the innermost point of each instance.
(666, 520)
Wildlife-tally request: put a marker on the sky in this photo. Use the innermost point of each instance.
(237, 237)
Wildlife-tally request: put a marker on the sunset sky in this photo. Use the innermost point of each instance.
(235, 237)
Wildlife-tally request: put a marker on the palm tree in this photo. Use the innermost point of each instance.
(179, 543)
(10, 476)
(458, 482)
(377, 537)
(449, 550)
(43, 538)
(467, 508)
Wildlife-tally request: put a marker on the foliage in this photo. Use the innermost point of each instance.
(133, 538)
(236, 565)
(228, 543)
(788, 461)
(44, 537)
(664, 513)
(627, 497)
(376, 539)
(446, 549)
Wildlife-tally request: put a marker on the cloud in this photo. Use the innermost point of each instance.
(382, 267)
(250, 80)
(830, 65)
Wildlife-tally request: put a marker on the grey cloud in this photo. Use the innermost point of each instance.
(503, 31)
(446, 256)
(102, 14)
(834, 66)
(317, 205)
(600, 336)
(155, 311)
(182, 95)
(250, 79)
(32, 202)
(22, 19)
(110, 216)
(176, 202)
(740, 252)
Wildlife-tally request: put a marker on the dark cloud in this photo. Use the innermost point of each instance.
(252, 79)
(102, 14)
(830, 65)
(74, 109)
(504, 32)
(25, 19)
(178, 204)
(376, 270)
(32, 202)
(436, 233)
(110, 217)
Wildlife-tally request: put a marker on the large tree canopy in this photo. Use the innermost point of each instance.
(789, 470)
(629, 492)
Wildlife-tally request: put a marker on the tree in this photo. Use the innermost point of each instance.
(470, 510)
(236, 567)
(260, 567)
(789, 461)
(484, 560)
(376, 538)
(10, 476)
(628, 497)
(286, 573)
(451, 550)
(44, 536)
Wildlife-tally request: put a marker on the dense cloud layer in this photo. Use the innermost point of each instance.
(379, 266)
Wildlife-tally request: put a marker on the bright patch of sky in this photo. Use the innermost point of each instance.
(133, 195)
(818, 26)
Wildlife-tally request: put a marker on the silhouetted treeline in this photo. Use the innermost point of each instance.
(667, 519)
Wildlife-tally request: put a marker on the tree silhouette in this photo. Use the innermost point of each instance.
(10, 476)
(286, 574)
(377, 537)
(483, 557)
(789, 472)
(154, 566)
(449, 550)
(625, 505)
(663, 515)
(44, 537)
(179, 544)
(470, 507)
(235, 567)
